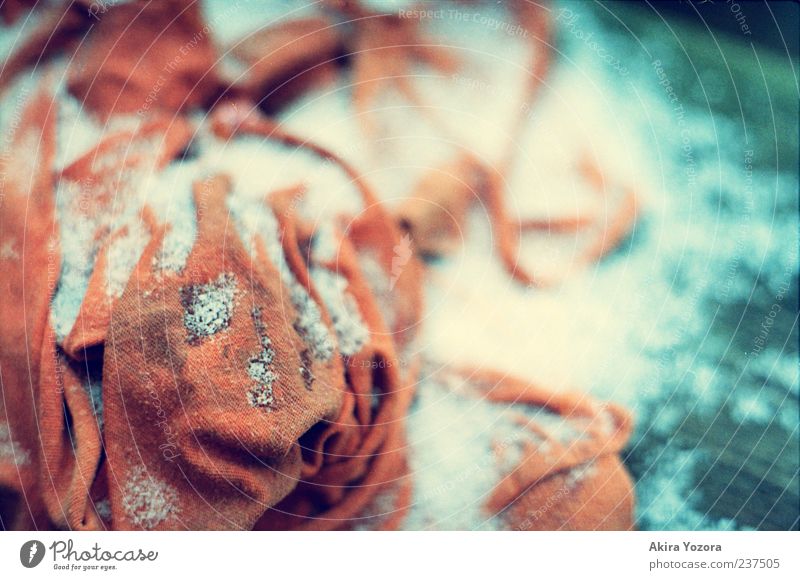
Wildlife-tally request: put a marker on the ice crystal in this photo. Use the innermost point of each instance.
(309, 324)
(7, 251)
(10, 450)
(208, 308)
(123, 254)
(260, 367)
(256, 220)
(147, 501)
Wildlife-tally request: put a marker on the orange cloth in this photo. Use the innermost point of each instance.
(579, 484)
(107, 174)
(213, 397)
(30, 263)
(144, 56)
(284, 60)
(362, 451)
(217, 410)
(58, 30)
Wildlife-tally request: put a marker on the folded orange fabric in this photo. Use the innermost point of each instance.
(362, 451)
(553, 456)
(205, 379)
(144, 56)
(596, 492)
(57, 31)
(283, 61)
(265, 382)
(30, 260)
(436, 210)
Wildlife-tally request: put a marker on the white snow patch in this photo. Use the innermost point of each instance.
(122, 256)
(453, 441)
(351, 330)
(260, 367)
(147, 500)
(10, 450)
(252, 218)
(208, 308)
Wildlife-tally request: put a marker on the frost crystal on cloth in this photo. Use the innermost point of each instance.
(309, 324)
(253, 220)
(173, 204)
(578, 474)
(463, 444)
(552, 425)
(146, 500)
(350, 328)
(208, 307)
(538, 427)
(325, 243)
(453, 460)
(83, 222)
(103, 509)
(123, 254)
(94, 388)
(260, 367)
(380, 285)
(7, 251)
(78, 250)
(10, 450)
